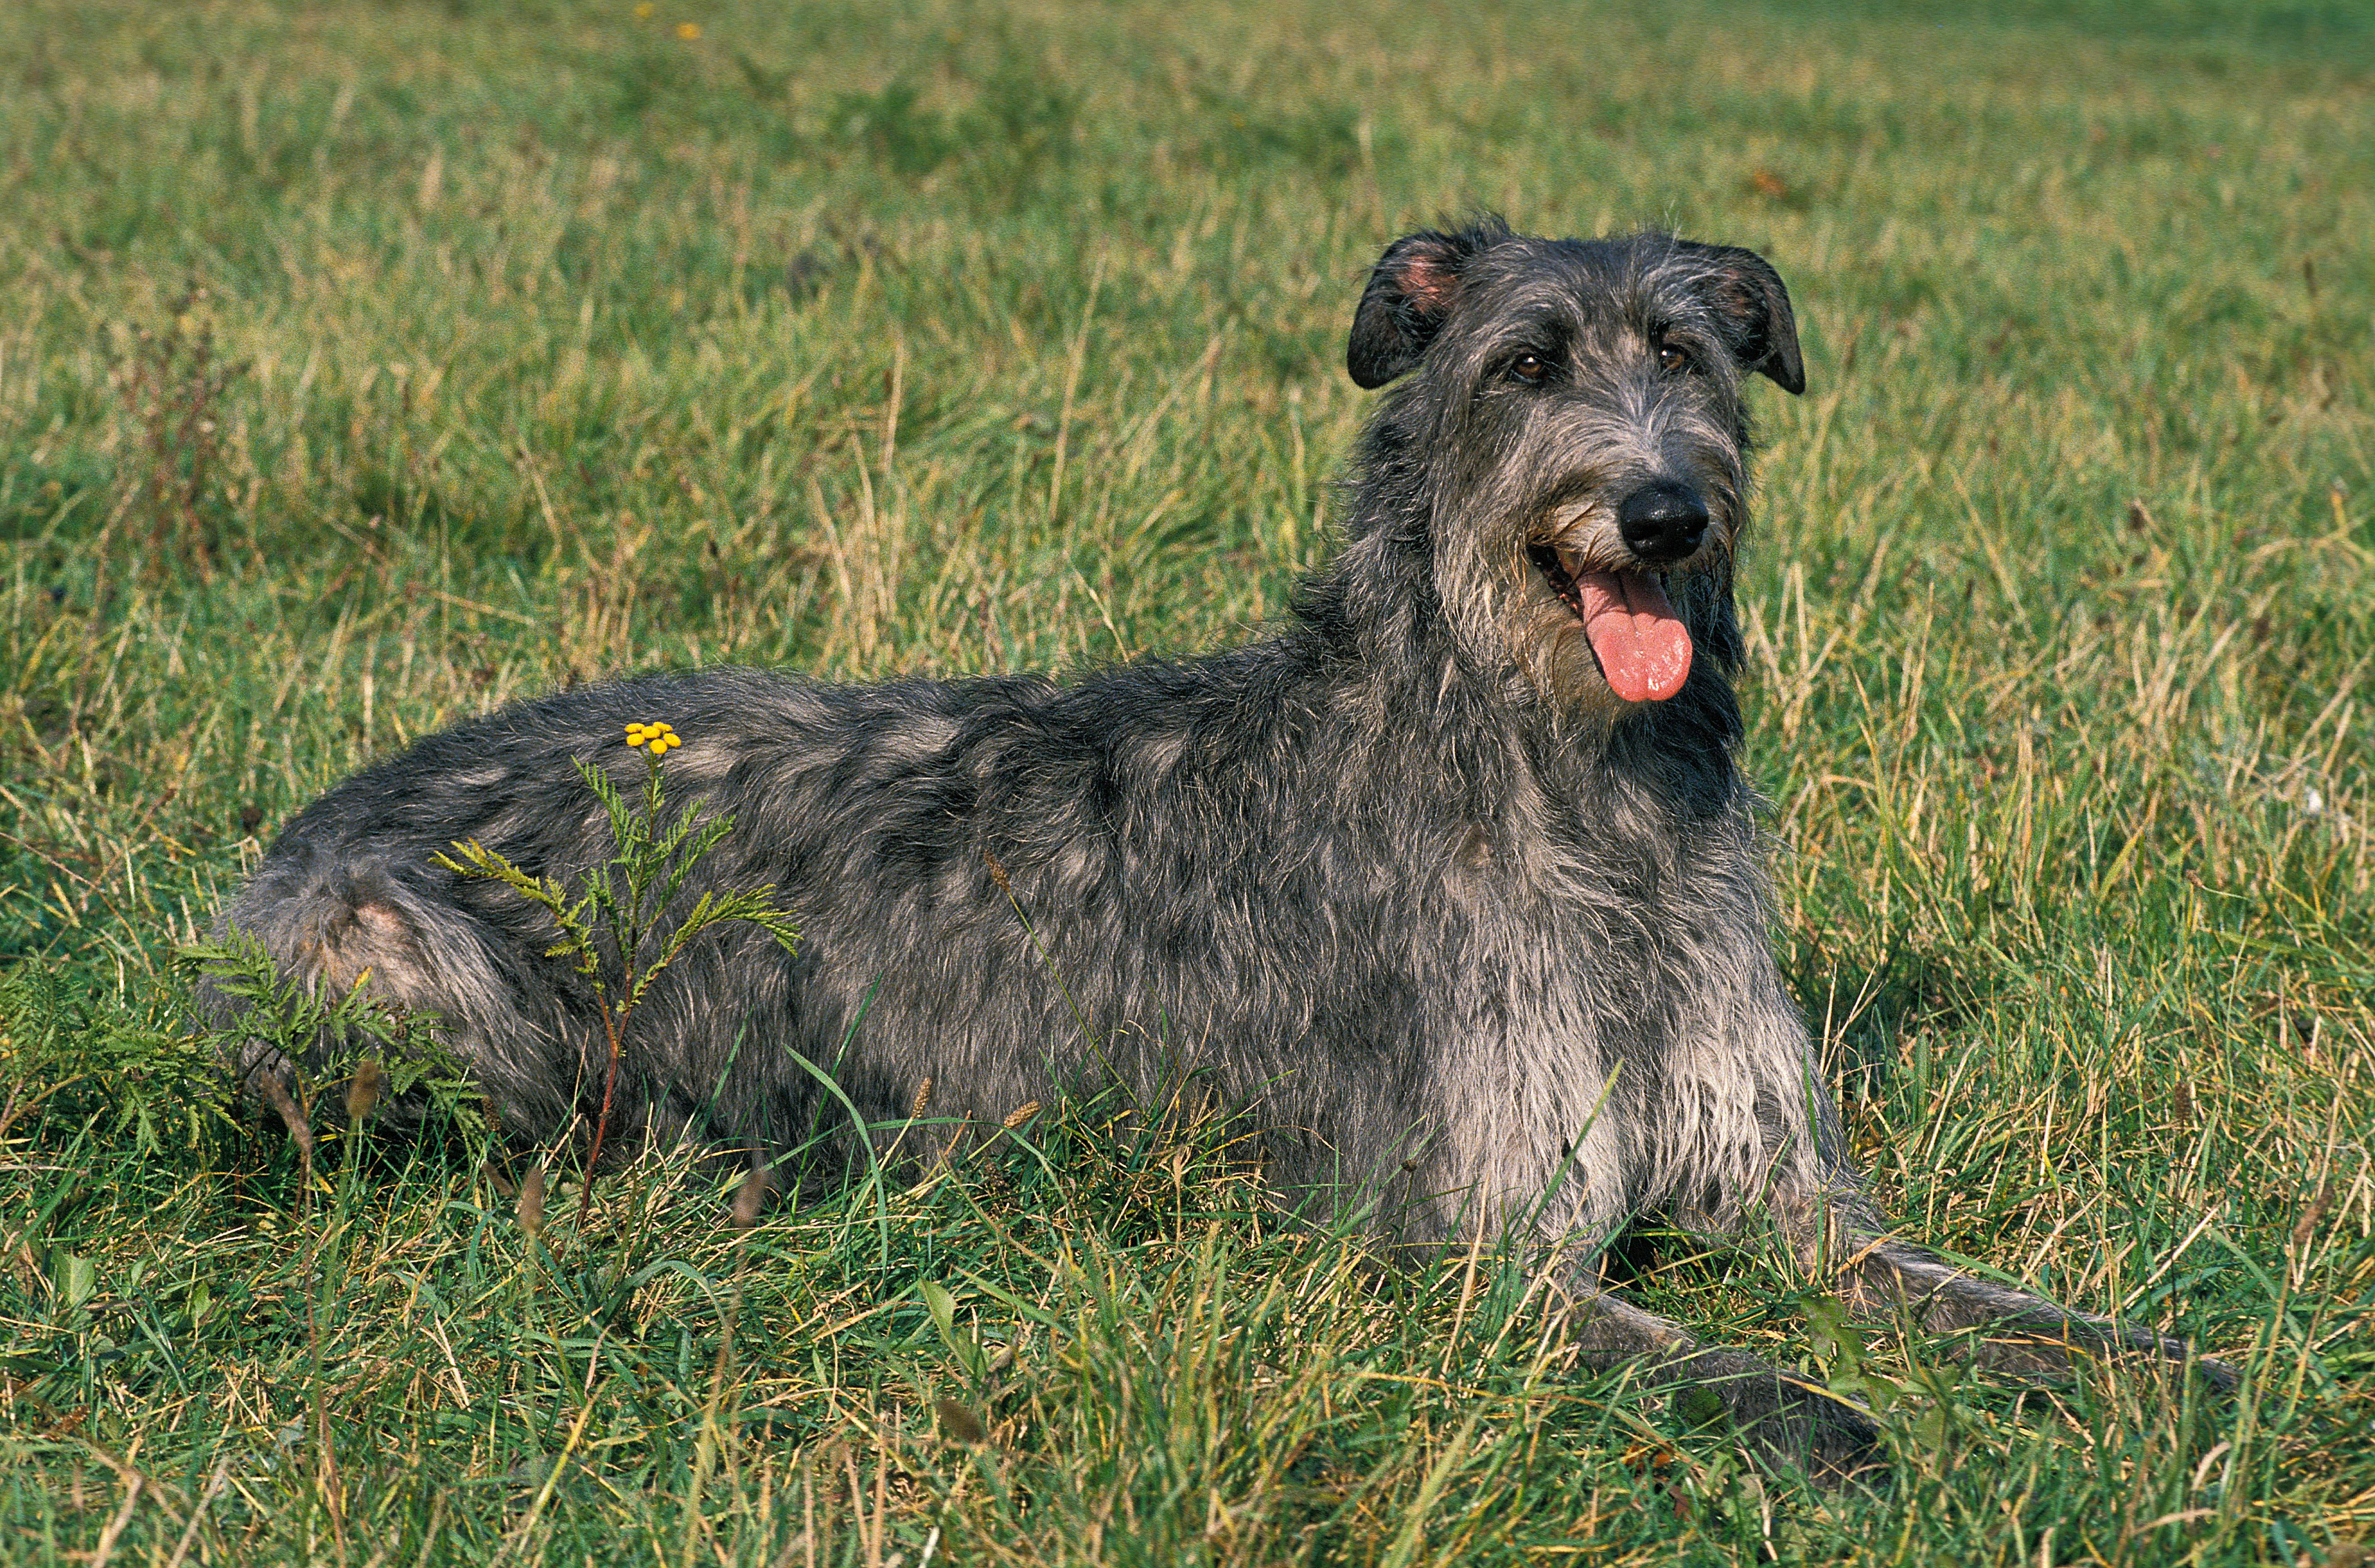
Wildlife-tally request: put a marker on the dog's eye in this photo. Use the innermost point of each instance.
(1670, 359)
(1530, 369)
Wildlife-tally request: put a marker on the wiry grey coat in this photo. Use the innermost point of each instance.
(1410, 884)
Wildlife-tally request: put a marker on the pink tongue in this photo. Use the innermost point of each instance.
(1644, 648)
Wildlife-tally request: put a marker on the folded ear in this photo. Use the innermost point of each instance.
(1748, 298)
(1411, 294)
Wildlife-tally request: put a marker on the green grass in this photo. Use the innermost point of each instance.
(534, 341)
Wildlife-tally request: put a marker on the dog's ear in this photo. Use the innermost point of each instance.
(1748, 298)
(1412, 291)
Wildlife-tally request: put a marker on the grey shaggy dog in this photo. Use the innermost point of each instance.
(1451, 888)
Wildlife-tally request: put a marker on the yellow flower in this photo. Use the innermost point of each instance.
(656, 738)
(644, 12)
(687, 31)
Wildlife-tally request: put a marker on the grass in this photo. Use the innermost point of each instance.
(369, 365)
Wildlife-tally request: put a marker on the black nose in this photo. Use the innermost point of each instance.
(1662, 521)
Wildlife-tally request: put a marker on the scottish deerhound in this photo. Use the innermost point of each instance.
(1451, 887)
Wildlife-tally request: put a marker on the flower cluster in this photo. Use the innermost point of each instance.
(655, 739)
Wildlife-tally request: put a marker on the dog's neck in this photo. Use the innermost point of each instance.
(1395, 660)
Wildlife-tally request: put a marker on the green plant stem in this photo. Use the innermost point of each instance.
(610, 1026)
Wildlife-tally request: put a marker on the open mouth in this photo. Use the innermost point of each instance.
(1642, 645)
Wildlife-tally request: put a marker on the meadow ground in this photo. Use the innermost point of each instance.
(368, 365)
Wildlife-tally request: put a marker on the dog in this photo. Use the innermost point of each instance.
(1451, 889)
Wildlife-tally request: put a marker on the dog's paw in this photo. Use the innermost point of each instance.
(2045, 1348)
(1787, 1422)
(2225, 1376)
(2175, 1358)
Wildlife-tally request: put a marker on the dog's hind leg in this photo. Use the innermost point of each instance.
(335, 931)
(331, 923)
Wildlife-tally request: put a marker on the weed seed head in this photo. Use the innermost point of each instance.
(531, 1202)
(362, 1093)
(959, 1423)
(751, 1197)
(276, 1094)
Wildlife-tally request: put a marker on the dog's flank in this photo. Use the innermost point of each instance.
(1451, 888)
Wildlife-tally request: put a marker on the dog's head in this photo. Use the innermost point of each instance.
(1569, 443)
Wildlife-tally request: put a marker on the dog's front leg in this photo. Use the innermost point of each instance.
(1789, 1420)
(2009, 1331)
(1840, 1240)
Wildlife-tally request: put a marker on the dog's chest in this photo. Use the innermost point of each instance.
(1622, 1008)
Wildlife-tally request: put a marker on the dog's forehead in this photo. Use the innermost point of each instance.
(1591, 283)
